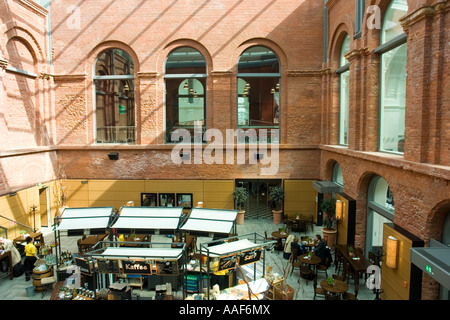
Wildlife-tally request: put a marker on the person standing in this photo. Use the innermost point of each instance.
(30, 258)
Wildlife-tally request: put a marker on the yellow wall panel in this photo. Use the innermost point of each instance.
(299, 198)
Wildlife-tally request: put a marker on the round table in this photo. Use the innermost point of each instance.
(339, 287)
(311, 260)
(280, 235)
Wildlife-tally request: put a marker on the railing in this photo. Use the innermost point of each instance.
(116, 134)
(21, 224)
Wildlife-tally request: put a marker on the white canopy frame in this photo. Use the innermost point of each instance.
(211, 220)
(157, 218)
(234, 245)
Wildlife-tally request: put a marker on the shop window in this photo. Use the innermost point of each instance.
(258, 89)
(114, 97)
(393, 79)
(380, 210)
(344, 92)
(185, 80)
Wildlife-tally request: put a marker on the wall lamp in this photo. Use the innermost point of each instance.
(338, 210)
(391, 252)
(113, 156)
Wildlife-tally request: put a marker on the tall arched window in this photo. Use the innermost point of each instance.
(337, 175)
(380, 210)
(114, 97)
(344, 92)
(258, 81)
(185, 79)
(393, 79)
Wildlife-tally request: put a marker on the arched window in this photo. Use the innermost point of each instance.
(185, 79)
(337, 174)
(344, 92)
(393, 79)
(380, 210)
(258, 81)
(114, 97)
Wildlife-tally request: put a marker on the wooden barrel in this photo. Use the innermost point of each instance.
(38, 275)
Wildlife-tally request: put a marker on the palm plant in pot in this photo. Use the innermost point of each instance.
(277, 196)
(328, 207)
(240, 195)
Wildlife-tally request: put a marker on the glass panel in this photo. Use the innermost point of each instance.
(115, 119)
(391, 25)
(377, 232)
(185, 104)
(185, 60)
(344, 97)
(258, 102)
(393, 99)
(344, 50)
(114, 62)
(258, 59)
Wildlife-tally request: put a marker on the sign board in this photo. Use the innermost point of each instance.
(227, 262)
(108, 266)
(249, 257)
(136, 267)
(85, 266)
(167, 267)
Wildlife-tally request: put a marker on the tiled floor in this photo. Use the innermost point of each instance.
(16, 289)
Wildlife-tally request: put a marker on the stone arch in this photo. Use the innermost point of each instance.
(344, 26)
(163, 54)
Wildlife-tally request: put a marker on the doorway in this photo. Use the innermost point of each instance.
(258, 205)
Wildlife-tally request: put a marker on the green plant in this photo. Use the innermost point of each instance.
(277, 195)
(240, 196)
(330, 281)
(328, 207)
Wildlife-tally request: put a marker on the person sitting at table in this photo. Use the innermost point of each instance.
(320, 249)
(30, 258)
(8, 246)
(300, 247)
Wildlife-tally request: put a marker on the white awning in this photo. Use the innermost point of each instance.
(84, 218)
(148, 218)
(138, 253)
(231, 247)
(210, 220)
(213, 214)
(208, 226)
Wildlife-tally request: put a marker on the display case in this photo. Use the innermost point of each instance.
(184, 200)
(167, 199)
(149, 199)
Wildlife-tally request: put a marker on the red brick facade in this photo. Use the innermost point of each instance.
(47, 117)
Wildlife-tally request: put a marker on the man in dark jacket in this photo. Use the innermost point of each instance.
(320, 249)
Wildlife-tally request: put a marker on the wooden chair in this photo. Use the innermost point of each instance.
(295, 262)
(309, 224)
(351, 296)
(323, 268)
(373, 258)
(272, 247)
(318, 291)
(338, 277)
(305, 272)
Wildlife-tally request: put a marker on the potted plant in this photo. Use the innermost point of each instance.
(277, 196)
(240, 197)
(328, 207)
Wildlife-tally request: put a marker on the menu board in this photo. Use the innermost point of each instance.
(249, 257)
(108, 266)
(136, 267)
(85, 266)
(167, 267)
(227, 262)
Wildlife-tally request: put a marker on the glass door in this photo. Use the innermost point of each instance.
(259, 204)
